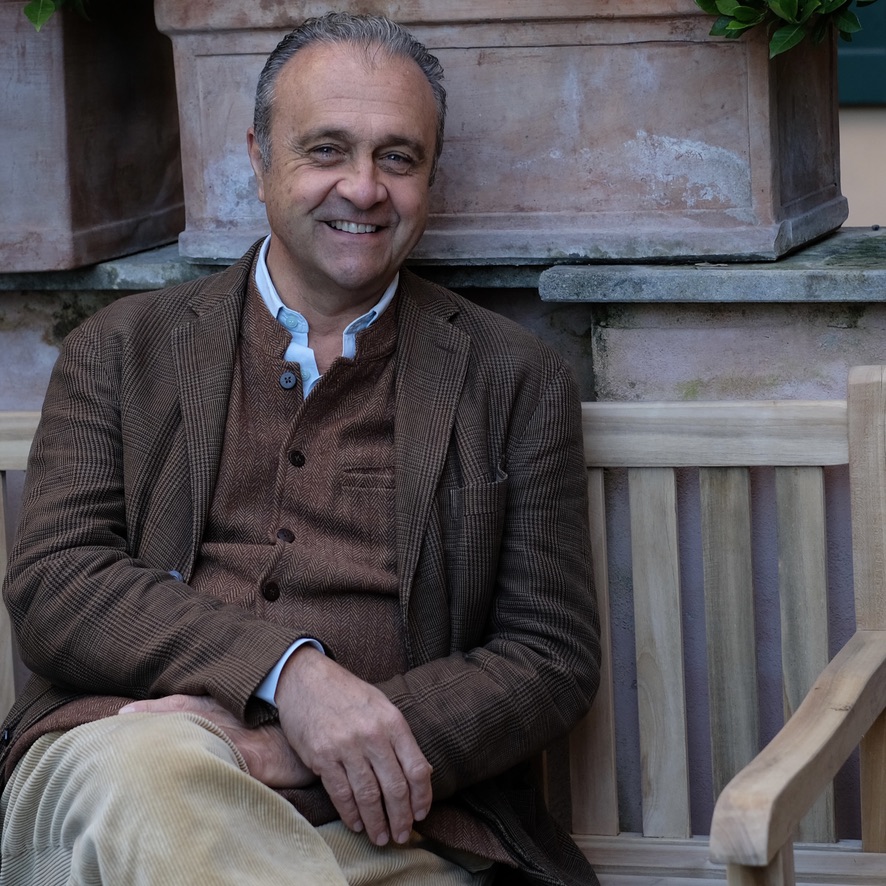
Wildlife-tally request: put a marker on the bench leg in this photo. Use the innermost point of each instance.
(779, 872)
(873, 782)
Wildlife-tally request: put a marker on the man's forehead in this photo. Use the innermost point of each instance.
(334, 55)
(323, 80)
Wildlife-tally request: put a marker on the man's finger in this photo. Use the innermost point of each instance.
(368, 796)
(337, 785)
(417, 771)
(395, 791)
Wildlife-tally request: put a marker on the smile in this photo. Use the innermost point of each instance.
(352, 227)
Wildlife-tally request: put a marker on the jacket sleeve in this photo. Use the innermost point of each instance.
(89, 585)
(480, 710)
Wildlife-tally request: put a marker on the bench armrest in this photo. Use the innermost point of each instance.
(759, 810)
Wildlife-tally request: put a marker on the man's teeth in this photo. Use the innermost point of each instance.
(352, 227)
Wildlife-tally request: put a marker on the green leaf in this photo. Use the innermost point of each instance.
(786, 9)
(831, 6)
(808, 10)
(748, 16)
(736, 28)
(709, 6)
(720, 25)
(40, 11)
(727, 7)
(847, 22)
(785, 38)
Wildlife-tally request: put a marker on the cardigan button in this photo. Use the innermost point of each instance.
(271, 591)
(297, 458)
(285, 535)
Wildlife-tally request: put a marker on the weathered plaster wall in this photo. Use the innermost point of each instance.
(733, 352)
(32, 325)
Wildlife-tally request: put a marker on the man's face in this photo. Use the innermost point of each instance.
(346, 189)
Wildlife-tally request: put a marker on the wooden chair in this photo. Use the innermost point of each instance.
(722, 446)
(16, 432)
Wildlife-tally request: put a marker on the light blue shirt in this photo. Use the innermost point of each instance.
(294, 323)
(299, 352)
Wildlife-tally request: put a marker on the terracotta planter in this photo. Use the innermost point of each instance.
(578, 130)
(89, 137)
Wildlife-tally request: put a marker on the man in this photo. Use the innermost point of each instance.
(302, 570)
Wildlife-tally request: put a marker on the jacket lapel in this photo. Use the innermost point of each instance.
(204, 351)
(432, 360)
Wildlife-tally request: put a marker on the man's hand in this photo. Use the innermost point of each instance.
(268, 755)
(358, 742)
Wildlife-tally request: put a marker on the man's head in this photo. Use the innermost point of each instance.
(365, 32)
(347, 132)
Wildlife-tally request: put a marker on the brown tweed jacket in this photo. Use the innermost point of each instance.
(495, 587)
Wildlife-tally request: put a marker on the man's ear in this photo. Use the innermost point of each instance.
(257, 161)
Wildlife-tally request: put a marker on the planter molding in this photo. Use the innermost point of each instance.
(89, 138)
(578, 130)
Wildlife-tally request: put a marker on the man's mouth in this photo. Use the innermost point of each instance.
(352, 227)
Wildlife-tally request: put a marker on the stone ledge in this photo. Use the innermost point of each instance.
(164, 266)
(847, 266)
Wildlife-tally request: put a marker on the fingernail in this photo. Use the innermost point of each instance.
(128, 709)
(421, 815)
(382, 839)
(403, 838)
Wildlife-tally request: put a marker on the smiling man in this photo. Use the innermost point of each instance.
(302, 571)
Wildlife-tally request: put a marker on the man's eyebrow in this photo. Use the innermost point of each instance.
(322, 134)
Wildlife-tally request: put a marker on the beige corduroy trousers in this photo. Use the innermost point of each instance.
(165, 800)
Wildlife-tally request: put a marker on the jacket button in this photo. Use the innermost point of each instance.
(285, 535)
(297, 458)
(287, 380)
(271, 591)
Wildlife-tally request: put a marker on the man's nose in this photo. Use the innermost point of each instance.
(361, 184)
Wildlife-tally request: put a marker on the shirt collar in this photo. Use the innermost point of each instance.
(278, 310)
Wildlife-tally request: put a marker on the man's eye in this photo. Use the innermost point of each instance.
(326, 152)
(397, 161)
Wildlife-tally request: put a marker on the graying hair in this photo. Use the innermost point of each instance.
(366, 31)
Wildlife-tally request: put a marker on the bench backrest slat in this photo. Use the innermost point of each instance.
(658, 637)
(803, 598)
(7, 670)
(725, 498)
(593, 782)
(16, 433)
(785, 432)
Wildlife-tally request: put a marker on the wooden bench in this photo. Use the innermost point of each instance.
(730, 466)
(721, 451)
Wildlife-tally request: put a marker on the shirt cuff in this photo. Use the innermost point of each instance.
(267, 689)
